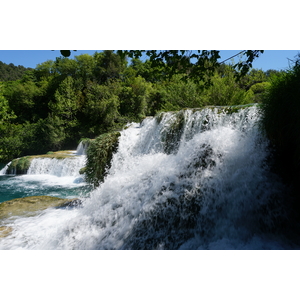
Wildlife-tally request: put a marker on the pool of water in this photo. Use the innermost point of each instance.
(34, 185)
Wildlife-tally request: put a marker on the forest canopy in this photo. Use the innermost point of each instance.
(10, 72)
(60, 102)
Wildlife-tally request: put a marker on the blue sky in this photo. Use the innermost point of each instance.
(270, 59)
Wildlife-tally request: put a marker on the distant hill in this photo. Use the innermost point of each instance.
(9, 72)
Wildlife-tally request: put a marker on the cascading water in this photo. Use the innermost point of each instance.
(187, 180)
(45, 176)
(3, 171)
(81, 148)
(57, 167)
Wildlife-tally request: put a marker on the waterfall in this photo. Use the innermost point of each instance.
(3, 171)
(53, 166)
(57, 167)
(184, 180)
(82, 148)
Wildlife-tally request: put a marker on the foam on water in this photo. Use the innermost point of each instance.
(52, 177)
(57, 167)
(205, 185)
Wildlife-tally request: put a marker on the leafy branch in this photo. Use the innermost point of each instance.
(198, 65)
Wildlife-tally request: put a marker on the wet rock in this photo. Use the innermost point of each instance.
(5, 231)
(29, 206)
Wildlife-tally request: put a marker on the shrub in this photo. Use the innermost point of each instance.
(259, 89)
(225, 91)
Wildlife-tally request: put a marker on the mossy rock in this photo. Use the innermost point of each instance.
(19, 165)
(5, 231)
(58, 155)
(86, 141)
(228, 109)
(99, 155)
(82, 171)
(170, 137)
(29, 206)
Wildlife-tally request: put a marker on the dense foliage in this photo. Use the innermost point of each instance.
(99, 155)
(192, 64)
(11, 72)
(281, 119)
(59, 102)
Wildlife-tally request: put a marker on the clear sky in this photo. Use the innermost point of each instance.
(270, 59)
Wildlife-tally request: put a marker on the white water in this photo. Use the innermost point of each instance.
(207, 190)
(81, 148)
(52, 166)
(46, 176)
(3, 171)
(57, 167)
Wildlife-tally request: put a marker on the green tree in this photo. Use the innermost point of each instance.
(45, 70)
(193, 64)
(134, 97)
(108, 66)
(10, 141)
(253, 77)
(85, 65)
(176, 94)
(66, 67)
(10, 72)
(21, 96)
(6, 115)
(101, 107)
(65, 104)
(11, 135)
(52, 132)
(259, 89)
(145, 70)
(226, 91)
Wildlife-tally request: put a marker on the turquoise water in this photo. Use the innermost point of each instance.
(49, 177)
(34, 185)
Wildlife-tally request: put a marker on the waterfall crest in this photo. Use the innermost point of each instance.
(185, 180)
